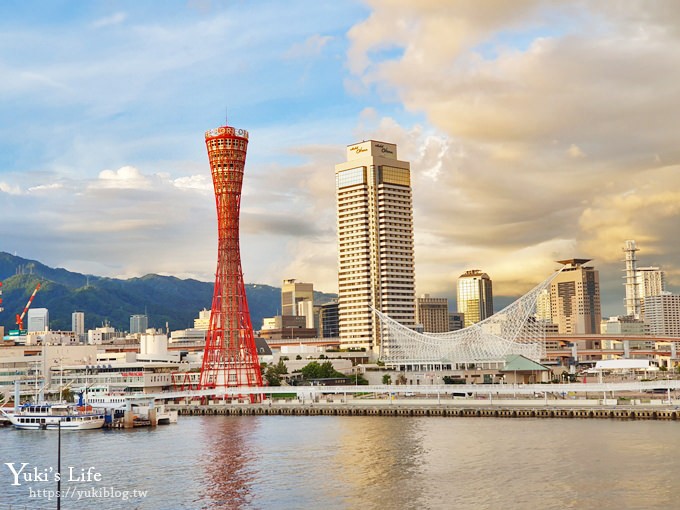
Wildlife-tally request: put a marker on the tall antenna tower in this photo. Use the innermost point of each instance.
(632, 299)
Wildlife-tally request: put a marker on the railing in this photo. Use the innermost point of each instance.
(424, 390)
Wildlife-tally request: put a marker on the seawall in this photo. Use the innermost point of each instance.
(640, 412)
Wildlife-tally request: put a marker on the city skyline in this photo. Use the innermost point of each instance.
(536, 132)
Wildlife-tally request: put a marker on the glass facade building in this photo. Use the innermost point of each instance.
(139, 324)
(474, 296)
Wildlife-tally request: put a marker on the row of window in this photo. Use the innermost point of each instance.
(350, 177)
(227, 143)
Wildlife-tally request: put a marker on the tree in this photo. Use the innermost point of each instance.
(273, 373)
(281, 367)
(401, 379)
(272, 377)
(315, 370)
(386, 379)
(361, 380)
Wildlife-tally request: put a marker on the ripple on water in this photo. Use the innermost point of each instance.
(339, 462)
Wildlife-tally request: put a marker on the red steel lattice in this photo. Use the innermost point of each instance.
(230, 356)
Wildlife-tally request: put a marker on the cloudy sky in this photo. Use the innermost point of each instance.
(536, 131)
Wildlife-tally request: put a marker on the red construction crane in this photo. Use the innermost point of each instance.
(20, 318)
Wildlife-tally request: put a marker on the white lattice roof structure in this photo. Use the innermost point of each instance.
(513, 330)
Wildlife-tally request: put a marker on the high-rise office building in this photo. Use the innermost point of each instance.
(662, 314)
(575, 298)
(329, 325)
(293, 293)
(38, 319)
(474, 296)
(139, 323)
(456, 321)
(375, 242)
(432, 314)
(651, 281)
(78, 323)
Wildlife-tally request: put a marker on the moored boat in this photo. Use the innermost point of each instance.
(53, 416)
(138, 403)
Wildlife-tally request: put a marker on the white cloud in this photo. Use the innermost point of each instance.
(126, 177)
(114, 19)
(195, 182)
(309, 48)
(545, 129)
(9, 189)
(45, 188)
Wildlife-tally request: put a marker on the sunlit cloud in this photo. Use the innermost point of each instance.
(538, 152)
(536, 131)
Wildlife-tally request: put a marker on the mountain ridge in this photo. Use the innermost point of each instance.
(165, 299)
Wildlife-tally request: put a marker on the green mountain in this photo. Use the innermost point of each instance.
(165, 299)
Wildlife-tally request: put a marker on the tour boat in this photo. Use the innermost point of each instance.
(53, 416)
(101, 398)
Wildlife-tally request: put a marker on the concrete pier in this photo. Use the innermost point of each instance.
(441, 409)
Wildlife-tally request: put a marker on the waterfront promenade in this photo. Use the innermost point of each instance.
(668, 386)
(630, 400)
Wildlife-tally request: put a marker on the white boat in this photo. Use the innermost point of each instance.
(53, 416)
(101, 398)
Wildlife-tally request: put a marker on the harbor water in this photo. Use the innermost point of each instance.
(347, 462)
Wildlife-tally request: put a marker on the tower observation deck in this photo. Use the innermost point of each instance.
(230, 356)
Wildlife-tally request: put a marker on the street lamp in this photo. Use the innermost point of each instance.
(59, 465)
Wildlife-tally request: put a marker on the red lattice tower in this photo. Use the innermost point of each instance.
(230, 356)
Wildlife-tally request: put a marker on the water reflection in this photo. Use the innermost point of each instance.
(381, 461)
(279, 462)
(228, 460)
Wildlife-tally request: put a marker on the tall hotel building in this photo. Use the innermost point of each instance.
(575, 299)
(375, 242)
